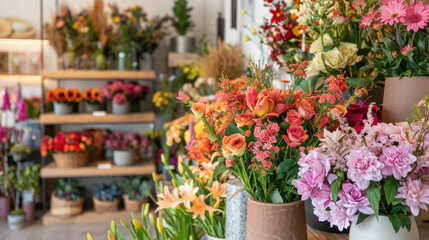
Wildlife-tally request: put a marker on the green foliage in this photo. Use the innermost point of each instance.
(390, 188)
(69, 189)
(182, 19)
(335, 188)
(108, 193)
(136, 188)
(373, 193)
(17, 212)
(28, 178)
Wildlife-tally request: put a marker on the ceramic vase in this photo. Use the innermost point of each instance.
(61, 108)
(123, 158)
(236, 210)
(121, 108)
(16, 222)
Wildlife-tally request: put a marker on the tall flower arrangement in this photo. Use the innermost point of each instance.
(381, 170)
(398, 37)
(260, 132)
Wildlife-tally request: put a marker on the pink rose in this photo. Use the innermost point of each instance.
(119, 98)
(229, 162)
(106, 93)
(416, 195)
(295, 136)
(116, 86)
(137, 89)
(60, 24)
(129, 89)
(397, 160)
(353, 199)
(294, 118)
(364, 167)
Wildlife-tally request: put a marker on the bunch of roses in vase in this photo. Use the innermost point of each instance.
(126, 147)
(123, 95)
(261, 131)
(381, 172)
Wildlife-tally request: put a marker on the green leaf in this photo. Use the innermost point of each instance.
(275, 196)
(335, 188)
(361, 218)
(232, 129)
(286, 168)
(373, 194)
(259, 194)
(394, 219)
(219, 170)
(390, 188)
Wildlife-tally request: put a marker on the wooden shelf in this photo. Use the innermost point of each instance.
(142, 167)
(89, 216)
(24, 79)
(98, 74)
(85, 118)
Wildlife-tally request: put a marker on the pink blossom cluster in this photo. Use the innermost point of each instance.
(414, 15)
(265, 146)
(377, 152)
(128, 141)
(120, 91)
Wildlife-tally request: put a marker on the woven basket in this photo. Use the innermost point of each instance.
(71, 160)
(101, 206)
(134, 205)
(97, 156)
(65, 208)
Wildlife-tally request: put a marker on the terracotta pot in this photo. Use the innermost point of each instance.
(236, 210)
(381, 229)
(268, 221)
(30, 210)
(5, 207)
(400, 95)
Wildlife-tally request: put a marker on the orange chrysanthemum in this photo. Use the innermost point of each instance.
(95, 93)
(70, 95)
(50, 95)
(60, 95)
(87, 95)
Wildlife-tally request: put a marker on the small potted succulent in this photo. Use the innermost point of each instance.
(182, 22)
(67, 199)
(69, 149)
(91, 100)
(125, 147)
(65, 100)
(107, 198)
(136, 193)
(122, 95)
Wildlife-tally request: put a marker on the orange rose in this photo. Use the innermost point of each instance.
(295, 136)
(338, 111)
(245, 119)
(294, 118)
(199, 109)
(234, 145)
(306, 108)
(265, 104)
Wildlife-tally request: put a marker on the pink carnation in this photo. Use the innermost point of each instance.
(397, 160)
(353, 199)
(363, 167)
(416, 195)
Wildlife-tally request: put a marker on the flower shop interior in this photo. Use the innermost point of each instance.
(227, 119)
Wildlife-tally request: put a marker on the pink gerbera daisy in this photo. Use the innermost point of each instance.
(359, 5)
(368, 18)
(416, 17)
(392, 12)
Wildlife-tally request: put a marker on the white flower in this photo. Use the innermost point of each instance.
(316, 46)
(335, 59)
(349, 50)
(311, 71)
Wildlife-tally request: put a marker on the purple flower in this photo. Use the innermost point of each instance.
(6, 101)
(397, 160)
(363, 167)
(21, 114)
(416, 195)
(353, 199)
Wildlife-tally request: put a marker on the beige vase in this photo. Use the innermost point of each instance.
(271, 221)
(399, 96)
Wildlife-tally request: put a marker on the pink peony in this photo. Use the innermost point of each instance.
(397, 160)
(137, 89)
(321, 212)
(304, 189)
(116, 86)
(340, 218)
(363, 167)
(416, 195)
(392, 12)
(106, 93)
(129, 89)
(416, 17)
(119, 99)
(315, 167)
(353, 199)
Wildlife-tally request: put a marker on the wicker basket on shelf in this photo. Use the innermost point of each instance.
(101, 206)
(134, 205)
(65, 208)
(71, 160)
(97, 156)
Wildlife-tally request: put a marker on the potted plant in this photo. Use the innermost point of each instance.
(69, 149)
(261, 132)
(399, 47)
(5, 202)
(91, 100)
(98, 137)
(182, 23)
(19, 151)
(376, 179)
(126, 147)
(67, 199)
(64, 100)
(136, 193)
(107, 198)
(122, 95)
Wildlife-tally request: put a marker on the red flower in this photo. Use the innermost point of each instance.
(278, 14)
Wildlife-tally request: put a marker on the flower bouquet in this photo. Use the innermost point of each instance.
(92, 100)
(260, 133)
(126, 147)
(64, 100)
(69, 149)
(122, 95)
(98, 137)
(33, 107)
(380, 173)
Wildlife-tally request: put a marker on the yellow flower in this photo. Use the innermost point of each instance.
(187, 135)
(89, 237)
(185, 70)
(137, 224)
(243, 11)
(252, 30)
(116, 19)
(199, 129)
(246, 38)
(150, 22)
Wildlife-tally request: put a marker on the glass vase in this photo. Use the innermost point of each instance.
(69, 55)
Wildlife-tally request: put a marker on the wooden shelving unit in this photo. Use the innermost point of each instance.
(141, 168)
(89, 216)
(98, 75)
(87, 118)
(24, 79)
